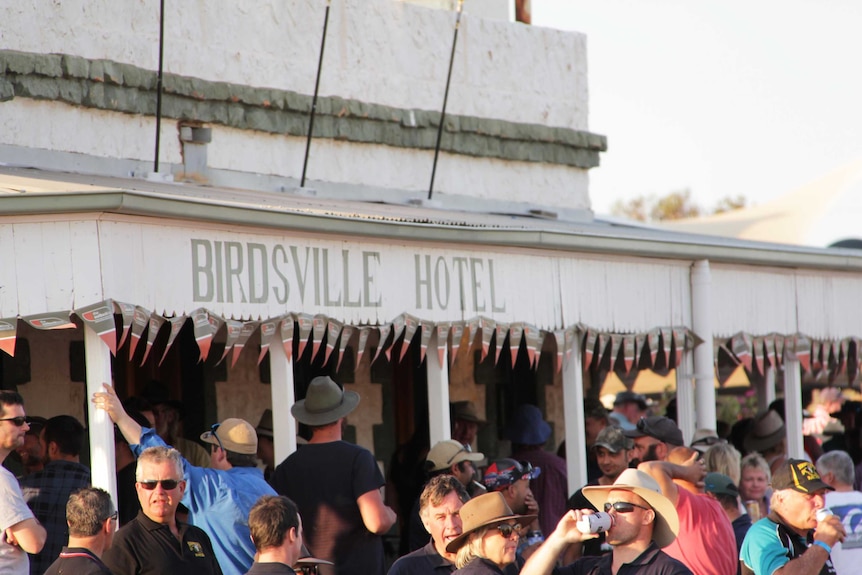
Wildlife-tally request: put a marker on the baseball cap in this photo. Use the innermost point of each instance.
(446, 453)
(504, 472)
(659, 427)
(613, 439)
(798, 475)
(720, 484)
(232, 434)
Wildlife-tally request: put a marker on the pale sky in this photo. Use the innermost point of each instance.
(724, 97)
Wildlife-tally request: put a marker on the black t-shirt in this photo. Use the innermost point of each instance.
(79, 561)
(325, 480)
(144, 547)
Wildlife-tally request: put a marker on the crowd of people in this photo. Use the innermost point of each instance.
(652, 504)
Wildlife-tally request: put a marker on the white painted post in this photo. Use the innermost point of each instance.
(573, 412)
(103, 465)
(768, 395)
(793, 408)
(283, 397)
(685, 413)
(437, 373)
(704, 354)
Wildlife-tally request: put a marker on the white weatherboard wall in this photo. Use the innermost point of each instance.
(378, 51)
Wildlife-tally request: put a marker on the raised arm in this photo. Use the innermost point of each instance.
(376, 515)
(108, 401)
(543, 560)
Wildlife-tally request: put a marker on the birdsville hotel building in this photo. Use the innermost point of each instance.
(165, 216)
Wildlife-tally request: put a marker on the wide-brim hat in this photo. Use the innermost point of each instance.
(465, 410)
(528, 427)
(233, 434)
(448, 452)
(641, 484)
(264, 426)
(483, 511)
(766, 431)
(325, 402)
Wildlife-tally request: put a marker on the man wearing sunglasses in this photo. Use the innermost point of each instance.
(219, 497)
(156, 542)
(644, 522)
(21, 532)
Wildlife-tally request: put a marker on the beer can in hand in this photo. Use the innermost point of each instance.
(595, 522)
(753, 508)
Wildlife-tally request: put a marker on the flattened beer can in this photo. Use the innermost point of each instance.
(753, 509)
(822, 514)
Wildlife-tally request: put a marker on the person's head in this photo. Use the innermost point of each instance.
(722, 488)
(233, 443)
(754, 477)
(703, 439)
(528, 427)
(325, 406)
(138, 404)
(654, 437)
(32, 452)
(798, 492)
(90, 513)
(265, 444)
(13, 422)
(63, 436)
(512, 479)
(837, 469)
(168, 415)
(632, 405)
(440, 510)
(451, 457)
(465, 421)
(159, 483)
(490, 531)
(613, 451)
(595, 419)
(274, 522)
(766, 435)
(723, 458)
(641, 513)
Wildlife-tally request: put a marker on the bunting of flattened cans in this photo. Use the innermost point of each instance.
(248, 328)
(443, 328)
(616, 344)
(516, 334)
(779, 349)
(176, 325)
(457, 335)
(384, 329)
(127, 311)
(139, 323)
(346, 333)
(426, 331)
(666, 344)
(49, 321)
(234, 328)
(411, 326)
(652, 341)
(640, 342)
(501, 332)
(489, 328)
(769, 350)
(364, 332)
(589, 348)
(285, 329)
(628, 353)
(602, 347)
(398, 324)
(305, 322)
(8, 334)
(268, 329)
(155, 323)
(203, 332)
(740, 346)
(100, 318)
(318, 330)
(680, 337)
(333, 330)
(757, 354)
(535, 338)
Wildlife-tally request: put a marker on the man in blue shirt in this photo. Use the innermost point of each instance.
(218, 498)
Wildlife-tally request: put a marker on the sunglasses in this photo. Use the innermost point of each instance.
(213, 429)
(506, 529)
(16, 421)
(622, 506)
(167, 484)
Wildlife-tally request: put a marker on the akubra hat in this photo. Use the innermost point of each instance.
(644, 486)
(528, 427)
(483, 511)
(325, 402)
(766, 431)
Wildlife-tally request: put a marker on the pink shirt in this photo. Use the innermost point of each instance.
(705, 543)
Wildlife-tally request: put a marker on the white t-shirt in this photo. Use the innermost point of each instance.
(847, 556)
(13, 560)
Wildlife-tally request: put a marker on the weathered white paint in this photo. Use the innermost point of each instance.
(497, 9)
(283, 396)
(702, 358)
(439, 424)
(687, 407)
(101, 429)
(573, 411)
(793, 408)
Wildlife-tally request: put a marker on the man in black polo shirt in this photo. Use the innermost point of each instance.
(91, 518)
(155, 543)
(276, 530)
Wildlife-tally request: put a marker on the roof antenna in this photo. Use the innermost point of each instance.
(159, 84)
(445, 99)
(314, 99)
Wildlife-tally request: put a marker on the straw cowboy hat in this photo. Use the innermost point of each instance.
(483, 511)
(325, 402)
(644, 486)
(767, 430)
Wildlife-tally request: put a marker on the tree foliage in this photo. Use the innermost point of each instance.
(673, 206)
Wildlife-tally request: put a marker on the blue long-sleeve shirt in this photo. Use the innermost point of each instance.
(219, 502)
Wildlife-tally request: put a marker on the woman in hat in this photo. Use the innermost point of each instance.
(490, 535)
